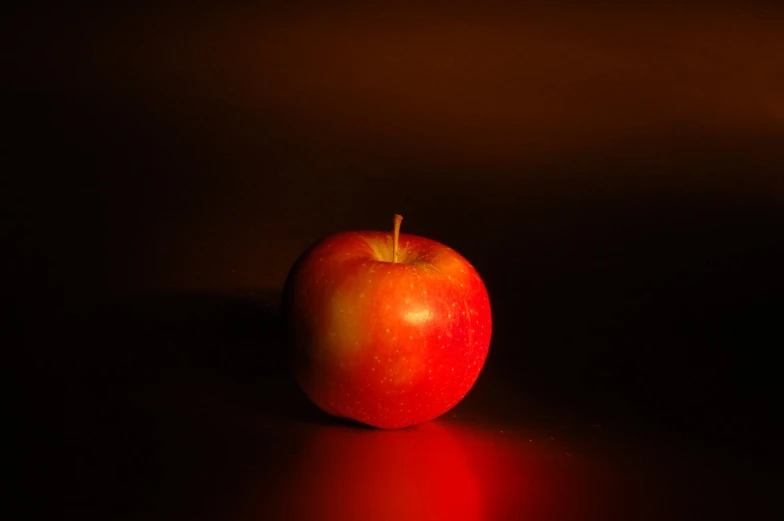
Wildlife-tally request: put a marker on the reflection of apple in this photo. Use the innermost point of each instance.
(387, 329)
(348, 474)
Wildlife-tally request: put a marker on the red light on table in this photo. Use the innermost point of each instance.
(351, 474)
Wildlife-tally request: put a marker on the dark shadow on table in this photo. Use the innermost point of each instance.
(158, 403)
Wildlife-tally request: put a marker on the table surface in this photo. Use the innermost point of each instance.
(613, 173)
(180, 407)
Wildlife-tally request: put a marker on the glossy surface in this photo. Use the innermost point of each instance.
(194, 422)
(387, 344)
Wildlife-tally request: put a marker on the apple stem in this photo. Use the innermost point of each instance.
(395, 236)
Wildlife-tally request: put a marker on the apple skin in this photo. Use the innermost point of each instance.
(386, 344)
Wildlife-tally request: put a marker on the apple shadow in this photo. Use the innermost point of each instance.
(161, 403)
(234, 344)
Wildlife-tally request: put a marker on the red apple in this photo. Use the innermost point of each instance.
(387, 329)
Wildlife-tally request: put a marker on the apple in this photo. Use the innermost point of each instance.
(387, 329)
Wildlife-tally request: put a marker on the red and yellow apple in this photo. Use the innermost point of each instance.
(384, 328)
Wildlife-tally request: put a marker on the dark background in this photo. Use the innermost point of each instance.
(614, 172)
